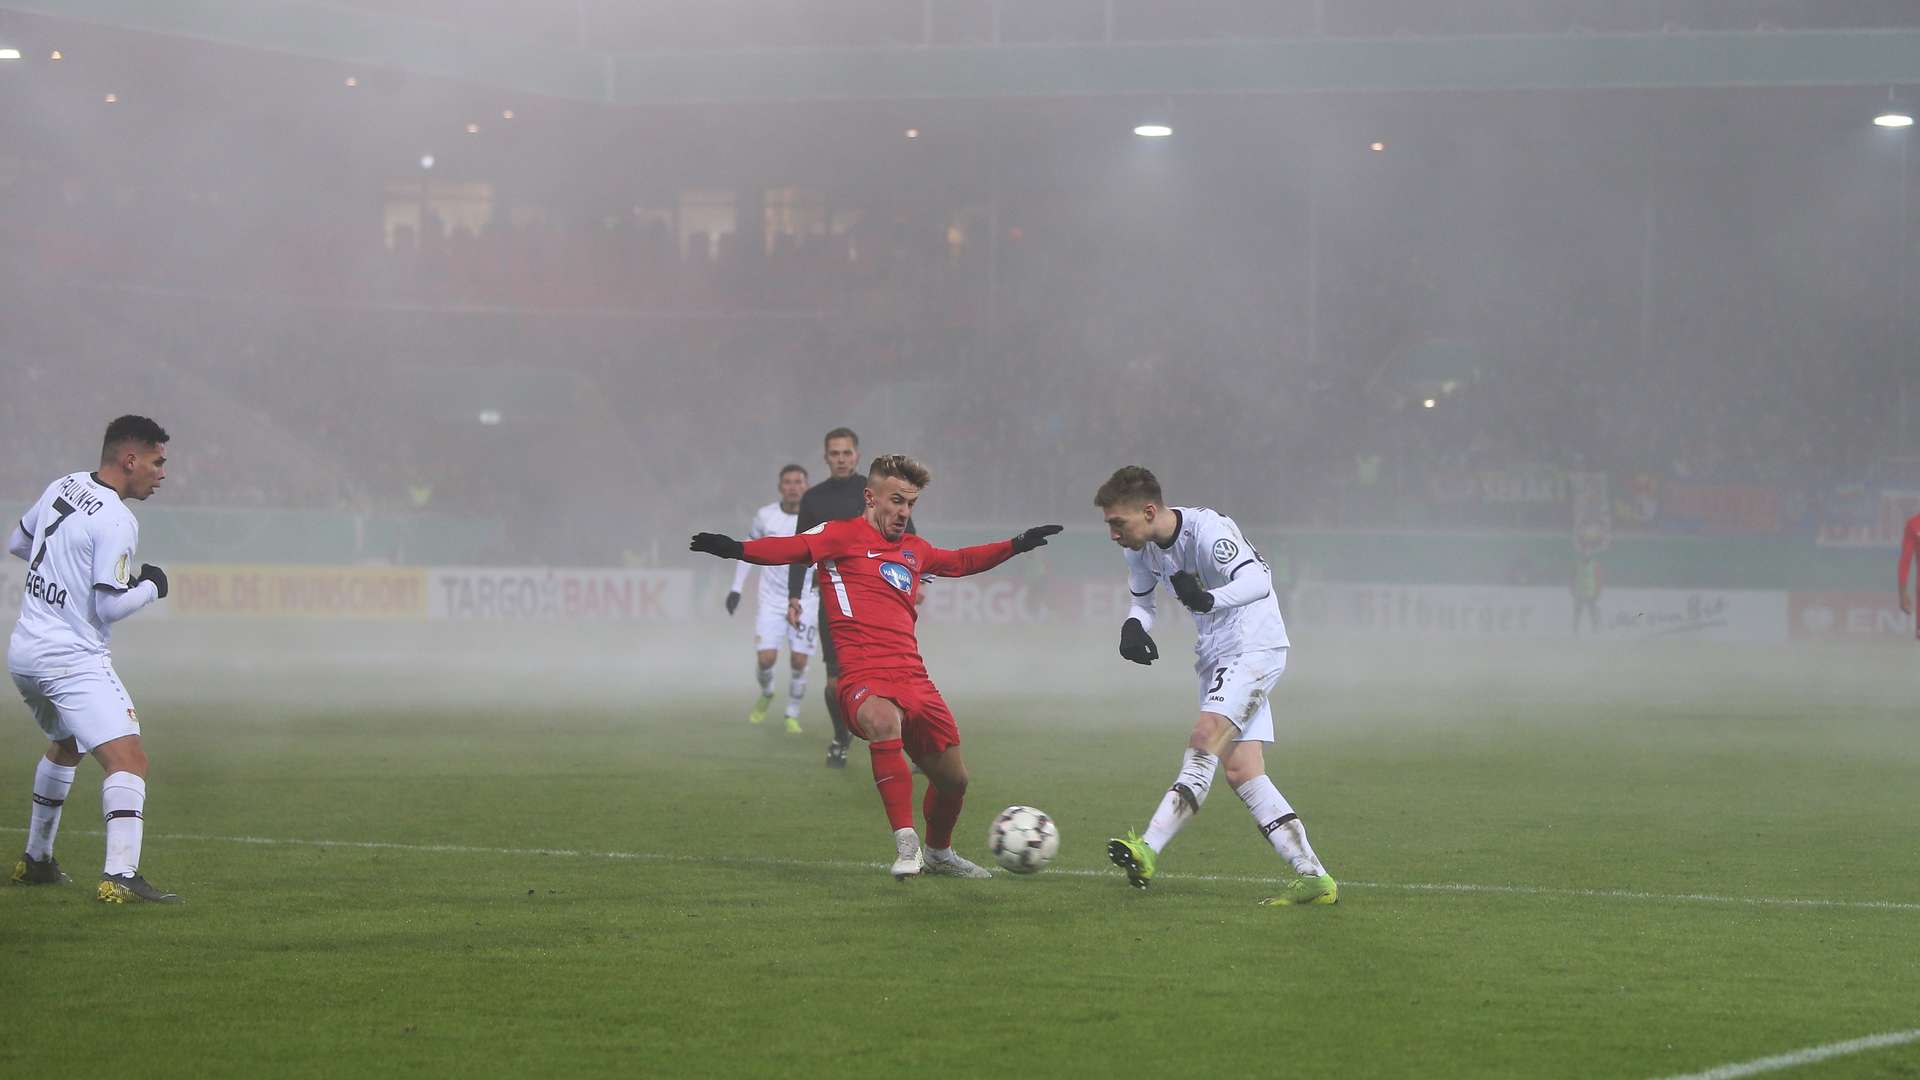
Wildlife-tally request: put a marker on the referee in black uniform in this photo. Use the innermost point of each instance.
(843, 494)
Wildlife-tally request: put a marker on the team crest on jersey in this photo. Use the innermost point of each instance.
(897, 576)
(121, 572)
(906, 554)
(1224, 550)
(132, 719)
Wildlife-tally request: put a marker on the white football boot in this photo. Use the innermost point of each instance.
(954, 864)
(911, 859)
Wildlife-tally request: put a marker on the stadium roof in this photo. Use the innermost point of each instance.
(1266, 66)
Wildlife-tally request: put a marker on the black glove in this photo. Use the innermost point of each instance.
(733, 602)
(716, 544)
(150, 572)
(1033, 538)
(1187, 588)
(1135, 645)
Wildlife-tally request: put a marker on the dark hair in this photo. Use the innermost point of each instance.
(1128, 484)
(901, 466)
(841, 433)
(801, 469)
(134, 429)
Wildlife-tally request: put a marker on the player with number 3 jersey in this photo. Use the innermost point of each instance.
(1242, 650)
(869, 571)
(78, 540)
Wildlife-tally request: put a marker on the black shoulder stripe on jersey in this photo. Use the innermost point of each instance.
(1237, 569)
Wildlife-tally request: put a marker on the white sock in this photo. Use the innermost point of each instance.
(1183, 799)
(50, 786)
(796, 694)
(765, 676)
(122, 798)
(1279, 824)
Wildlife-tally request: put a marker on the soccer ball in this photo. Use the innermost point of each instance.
(1023, 839)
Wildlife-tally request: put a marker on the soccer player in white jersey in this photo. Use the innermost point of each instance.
(1242, 647)
(770, 625)
(78, 540)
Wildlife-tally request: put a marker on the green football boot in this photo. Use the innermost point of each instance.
(760, 707)
(1134, 856)
(793, 726)
(1319, 889)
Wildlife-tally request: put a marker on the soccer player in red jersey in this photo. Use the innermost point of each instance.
(1909, 550)
(869, 574)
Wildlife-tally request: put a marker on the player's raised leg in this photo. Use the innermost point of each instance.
(878, 719)
(123, 798)
(1137, 854)
(946, 794)
(52, 780)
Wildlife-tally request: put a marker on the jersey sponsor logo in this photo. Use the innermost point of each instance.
(45, 589)
(1224, 551)
(897, 576)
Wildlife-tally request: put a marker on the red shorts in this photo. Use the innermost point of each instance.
(926, 724)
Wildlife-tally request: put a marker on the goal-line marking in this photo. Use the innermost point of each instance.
(1796, 1058)
(163, 838)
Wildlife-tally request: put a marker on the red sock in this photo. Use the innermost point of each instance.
(942, 809)
(890, 775)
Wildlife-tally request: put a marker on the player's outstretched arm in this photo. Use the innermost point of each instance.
(961, 562)
(1034, 537)
(766, 551)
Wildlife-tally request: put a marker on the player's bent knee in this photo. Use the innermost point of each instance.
(124, 754)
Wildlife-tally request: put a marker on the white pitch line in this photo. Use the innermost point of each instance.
(834, 864)
(1796, 1058)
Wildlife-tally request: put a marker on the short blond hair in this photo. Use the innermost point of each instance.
(900, 466)
(1129, 484)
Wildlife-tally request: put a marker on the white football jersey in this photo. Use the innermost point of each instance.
(83, 536)
(1209, 546)
(770, 520)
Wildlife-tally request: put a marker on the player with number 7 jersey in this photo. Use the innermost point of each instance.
(870, 571)
(78, 542)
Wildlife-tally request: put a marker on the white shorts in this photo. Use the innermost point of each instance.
(770, 629)
(86, 704)
(1238, 688)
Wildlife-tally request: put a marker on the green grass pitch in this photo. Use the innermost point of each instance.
(712, 901)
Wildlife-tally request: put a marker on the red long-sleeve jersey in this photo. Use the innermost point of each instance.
(868, 585)
(1909, 542)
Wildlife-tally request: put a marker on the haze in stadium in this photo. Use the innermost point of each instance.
(1555, 359)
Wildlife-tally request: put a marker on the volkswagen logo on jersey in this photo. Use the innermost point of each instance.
(897, 576)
